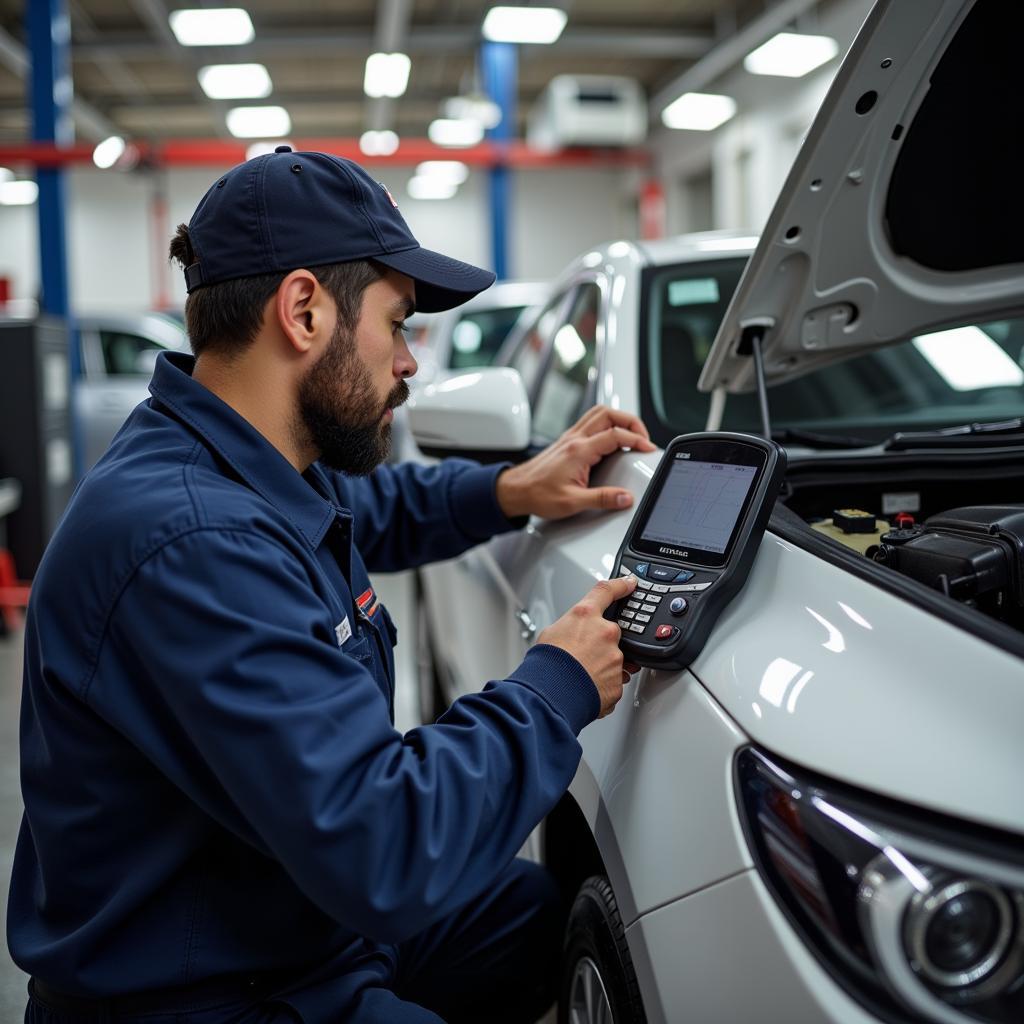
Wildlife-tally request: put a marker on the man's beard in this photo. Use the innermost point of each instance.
(339, 412)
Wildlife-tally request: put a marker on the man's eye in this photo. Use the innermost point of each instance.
(399, 325)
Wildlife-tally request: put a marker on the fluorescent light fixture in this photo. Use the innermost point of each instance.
(473, 108)
(258, 122)
(212, 26)
(386, 74)
(378, 143)
(790, 55)
(967, 359)
(454, 171)
(18, 193)
(524, 24)
(262, 148)
(235, 81)
(698, 111)
(108, 152)
(430, 188)
(6, 174)
(446, 131)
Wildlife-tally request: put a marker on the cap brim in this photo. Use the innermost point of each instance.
(441, 282)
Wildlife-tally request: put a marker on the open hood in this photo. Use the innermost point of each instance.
(904, 210)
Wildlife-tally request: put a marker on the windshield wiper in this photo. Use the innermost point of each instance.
(964, 435)
(815, 440)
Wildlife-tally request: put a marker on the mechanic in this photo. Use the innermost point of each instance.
(221, 821)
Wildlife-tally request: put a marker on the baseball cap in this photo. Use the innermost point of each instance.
(284, 210)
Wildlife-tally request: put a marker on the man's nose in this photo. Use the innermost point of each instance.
(405, 362)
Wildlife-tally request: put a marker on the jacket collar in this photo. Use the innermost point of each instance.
(243, 447)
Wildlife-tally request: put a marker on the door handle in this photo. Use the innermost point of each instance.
(528, 628)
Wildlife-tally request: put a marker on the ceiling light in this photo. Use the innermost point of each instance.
(387, 74)
(967, 359)
(212, 26)
(473, 108)
(698, 111)
(108, 152)
(235, 81)
(18, 193)
(258, 122)
(454, 171)
(446, 131)
(790, 55)
(524, 24)
(430, 188)
(378, 143)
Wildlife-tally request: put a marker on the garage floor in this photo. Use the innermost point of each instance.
(396, 592)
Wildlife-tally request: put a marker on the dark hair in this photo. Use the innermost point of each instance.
(226, 317)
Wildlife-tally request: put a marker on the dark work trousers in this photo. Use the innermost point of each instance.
(495, 960)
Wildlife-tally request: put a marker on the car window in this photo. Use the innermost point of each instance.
(528, 358)
(127, 353)
(478, 335)
(967, 373)
(564, 391)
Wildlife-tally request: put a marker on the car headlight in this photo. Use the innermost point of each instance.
(917, 916)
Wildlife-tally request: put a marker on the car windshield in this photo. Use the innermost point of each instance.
(965, 374)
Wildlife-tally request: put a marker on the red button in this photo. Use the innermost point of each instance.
(665, 632)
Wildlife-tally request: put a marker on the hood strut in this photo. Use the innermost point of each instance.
(753, 333)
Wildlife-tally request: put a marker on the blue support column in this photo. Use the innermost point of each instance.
(499, 64)
(49, 35)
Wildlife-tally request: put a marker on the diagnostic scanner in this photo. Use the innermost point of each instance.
(692, 542)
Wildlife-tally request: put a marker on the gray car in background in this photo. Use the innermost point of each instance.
(118, 353)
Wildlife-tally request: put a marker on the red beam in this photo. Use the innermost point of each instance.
(214, 152)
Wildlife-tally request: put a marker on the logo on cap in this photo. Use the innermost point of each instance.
(388, 194)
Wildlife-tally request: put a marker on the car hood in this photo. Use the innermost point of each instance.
(901, 213)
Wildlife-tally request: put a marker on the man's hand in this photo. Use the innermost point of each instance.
(555, 483)
(594, 641)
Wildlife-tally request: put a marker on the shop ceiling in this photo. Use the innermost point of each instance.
(132, 77)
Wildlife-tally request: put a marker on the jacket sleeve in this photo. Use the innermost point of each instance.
(243, 699)
(407, 515)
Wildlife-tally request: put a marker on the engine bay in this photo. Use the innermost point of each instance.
(915, 522)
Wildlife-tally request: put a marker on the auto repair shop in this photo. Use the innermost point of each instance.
(511, 512)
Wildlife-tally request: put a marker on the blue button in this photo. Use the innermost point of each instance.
(662, 572)
(641, 569)
(678, 605)
(683, 576)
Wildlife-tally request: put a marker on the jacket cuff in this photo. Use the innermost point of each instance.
(474, 503)
(562, 681)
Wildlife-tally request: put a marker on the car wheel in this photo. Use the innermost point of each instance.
(599, 984)
(431, 698)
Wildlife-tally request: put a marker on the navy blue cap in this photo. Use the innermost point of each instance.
(284, 210)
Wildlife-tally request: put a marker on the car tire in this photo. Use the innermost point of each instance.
(431, 697)
(599, 984)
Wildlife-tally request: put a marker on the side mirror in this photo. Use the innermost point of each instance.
(483, 414)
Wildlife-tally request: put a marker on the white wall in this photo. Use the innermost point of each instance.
(113, 251)
(750, 156)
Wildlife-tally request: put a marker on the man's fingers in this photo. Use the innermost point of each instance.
(609, 498)
(600, 417)
(608, 591)
(630, 667)
(614, 438)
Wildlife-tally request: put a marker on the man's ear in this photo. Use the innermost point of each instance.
(300, 310)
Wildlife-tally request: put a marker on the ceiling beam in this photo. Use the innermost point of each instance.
(626, 42)
(88, 119)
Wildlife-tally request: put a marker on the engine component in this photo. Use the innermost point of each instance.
(975, 555)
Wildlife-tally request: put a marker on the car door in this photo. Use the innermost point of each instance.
(504, 592)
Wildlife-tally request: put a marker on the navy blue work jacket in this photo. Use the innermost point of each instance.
(212, 779)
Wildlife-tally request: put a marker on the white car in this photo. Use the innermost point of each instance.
(118, 353)
(822, 818)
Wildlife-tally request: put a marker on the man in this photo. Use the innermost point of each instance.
(221, 822)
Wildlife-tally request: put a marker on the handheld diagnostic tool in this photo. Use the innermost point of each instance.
(692, 542)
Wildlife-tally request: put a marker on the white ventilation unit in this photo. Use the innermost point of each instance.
(588, 110)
